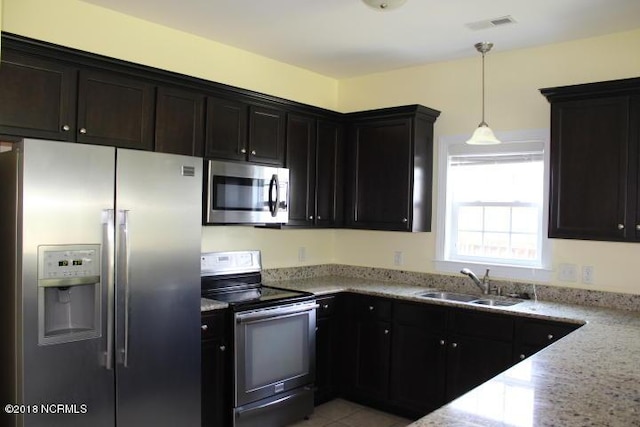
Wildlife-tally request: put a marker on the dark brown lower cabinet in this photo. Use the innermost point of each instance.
(215, 380)
(326, 350)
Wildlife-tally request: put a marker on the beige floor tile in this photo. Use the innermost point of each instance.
(313, 421)
(337, 409)
(370, 418)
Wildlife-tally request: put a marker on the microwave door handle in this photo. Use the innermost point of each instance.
(274, 202)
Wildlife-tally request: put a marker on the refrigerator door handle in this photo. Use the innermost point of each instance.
(123, 268)
(108, 234)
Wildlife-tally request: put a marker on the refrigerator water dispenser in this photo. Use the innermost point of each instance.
(68, 293)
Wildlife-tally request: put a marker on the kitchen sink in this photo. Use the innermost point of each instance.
(471, 299)
(449, 296)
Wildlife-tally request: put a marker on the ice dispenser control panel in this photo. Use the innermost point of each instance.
(60, 264)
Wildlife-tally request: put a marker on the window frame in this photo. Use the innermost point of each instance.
(538, 273)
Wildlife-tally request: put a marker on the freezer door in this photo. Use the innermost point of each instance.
(158, 233)
(65, 191)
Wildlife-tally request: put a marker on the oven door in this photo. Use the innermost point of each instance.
(239, 193)
(274, 350)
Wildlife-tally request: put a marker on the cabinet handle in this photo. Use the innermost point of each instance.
(454, 345)
(620, 226)
(370, 308)
(405, 220)
(522, 357)
(550, 337)
(83, 130)
(223, 348)
(204, 327)
(442, 342)
(66, 128)
(243, 150)
(310, 216)
(253, 152)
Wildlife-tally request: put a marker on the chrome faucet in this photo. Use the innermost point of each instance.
(482, 284)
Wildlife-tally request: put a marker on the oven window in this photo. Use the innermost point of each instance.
(276, 350)
(240, 194)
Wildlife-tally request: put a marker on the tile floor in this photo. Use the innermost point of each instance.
(342, 413)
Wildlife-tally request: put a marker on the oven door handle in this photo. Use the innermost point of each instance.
(257, 315)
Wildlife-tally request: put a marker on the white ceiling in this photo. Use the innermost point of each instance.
(346, 38)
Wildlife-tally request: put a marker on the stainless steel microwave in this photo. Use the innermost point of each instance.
(244, 193)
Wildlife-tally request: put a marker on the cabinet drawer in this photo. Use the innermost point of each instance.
(421, 315)
(482, 325)
(327, 307)
(542, 333)
(212, 326)
(368, 307)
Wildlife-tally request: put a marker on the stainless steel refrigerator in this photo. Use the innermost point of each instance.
(100, 280)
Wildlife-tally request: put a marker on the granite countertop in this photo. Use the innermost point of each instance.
(589, 378)
(207, 304)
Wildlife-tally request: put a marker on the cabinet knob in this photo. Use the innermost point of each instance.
(319, 217)
(325, 306)
(317, 328)
(310, 216)
(243, 150)
(550, 336)
(454, 345)
(204, 327)
(253, 152)
(83, 131)
(66, 128)
(223, 348)
(386, 331)
(442, 342)
(620, 226)
(370, 308)
(522, 357)
(405, 220)
(638, 227)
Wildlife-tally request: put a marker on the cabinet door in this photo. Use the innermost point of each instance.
(301, 161)
(266, 135)
(472, 361)
(226, 136)
(37, 97)
(589, 169)
(380, 163)
(214, 390)
(372, 352)
(115, 110)
(326, 363)
(329, 174)
(179, 122)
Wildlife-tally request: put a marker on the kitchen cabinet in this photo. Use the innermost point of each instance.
(479, 346)
(237, 130)
(389, 164)
(327, 349)
(418, 358)
(595, 180)
(532, 335)
(38, 97)
(314, 158)
(179, 126)
(216, 390)
(368, 349)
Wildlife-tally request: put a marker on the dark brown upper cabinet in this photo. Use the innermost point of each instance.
(595, 133)
(314, 159)
(37, 97)
(389, 169)
(115, 109)
(240, 131)
(179, 122)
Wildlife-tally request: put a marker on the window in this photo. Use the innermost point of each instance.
(492, 205)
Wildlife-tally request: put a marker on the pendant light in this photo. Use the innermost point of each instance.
(384, 4)
(483, 135)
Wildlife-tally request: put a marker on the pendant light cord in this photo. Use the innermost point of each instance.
(483, 122)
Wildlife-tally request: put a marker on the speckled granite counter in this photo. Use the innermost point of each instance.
(211, 304)
(589, 378)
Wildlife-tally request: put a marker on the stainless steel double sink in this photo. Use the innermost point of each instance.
(470, 299)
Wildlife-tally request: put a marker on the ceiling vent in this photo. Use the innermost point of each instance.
(491, 23)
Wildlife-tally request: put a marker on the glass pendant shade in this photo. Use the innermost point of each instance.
(483, 135)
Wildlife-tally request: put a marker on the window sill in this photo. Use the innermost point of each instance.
(506, 272)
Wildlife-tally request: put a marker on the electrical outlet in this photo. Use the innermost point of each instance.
(397, 258)
(587, 274)
(567, 273)
(302, 254)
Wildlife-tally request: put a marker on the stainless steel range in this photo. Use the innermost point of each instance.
(274, 340)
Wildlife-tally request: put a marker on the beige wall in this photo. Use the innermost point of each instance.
(513, 102)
